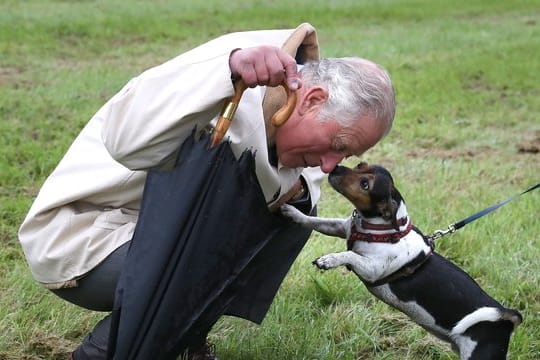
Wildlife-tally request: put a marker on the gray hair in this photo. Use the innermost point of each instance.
(356, 87)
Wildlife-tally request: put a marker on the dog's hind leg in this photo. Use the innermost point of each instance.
(491, 338)
(485, 333)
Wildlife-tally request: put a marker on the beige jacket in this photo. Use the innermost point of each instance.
(89, 205)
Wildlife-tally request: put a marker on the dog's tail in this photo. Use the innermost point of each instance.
(492, 314)
(513, 316)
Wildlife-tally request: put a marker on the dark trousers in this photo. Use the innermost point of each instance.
(258, 284)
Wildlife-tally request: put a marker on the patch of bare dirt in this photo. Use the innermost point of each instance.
(49, 347)
(531, 144)
(445, 153)
(13, 76)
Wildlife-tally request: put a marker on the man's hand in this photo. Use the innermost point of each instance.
(264, 65)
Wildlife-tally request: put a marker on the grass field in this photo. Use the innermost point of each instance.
(466, 135)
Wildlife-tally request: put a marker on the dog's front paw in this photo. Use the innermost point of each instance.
(326, 262)
(292, 213)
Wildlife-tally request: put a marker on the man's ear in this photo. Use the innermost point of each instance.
(312, 99)
(388, 210)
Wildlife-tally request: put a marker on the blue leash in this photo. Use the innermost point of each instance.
(458, 225)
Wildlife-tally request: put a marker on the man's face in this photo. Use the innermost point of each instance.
(306, 142)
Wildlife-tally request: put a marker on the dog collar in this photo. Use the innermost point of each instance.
(378, 233)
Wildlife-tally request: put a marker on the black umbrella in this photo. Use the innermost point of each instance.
(200, 226)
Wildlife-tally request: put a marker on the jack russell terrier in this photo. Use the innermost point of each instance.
(397, 264)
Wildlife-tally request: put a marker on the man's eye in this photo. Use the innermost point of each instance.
(364, 184)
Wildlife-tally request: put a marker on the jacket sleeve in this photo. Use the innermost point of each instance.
(144, 123)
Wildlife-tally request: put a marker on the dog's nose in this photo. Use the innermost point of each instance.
(338, 170)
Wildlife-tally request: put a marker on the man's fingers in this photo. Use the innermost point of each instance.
(275, 68)
(249, 75)
(263, 71)
(264, 65)
(291, 71)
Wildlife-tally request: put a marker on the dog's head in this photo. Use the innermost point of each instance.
(370, 188)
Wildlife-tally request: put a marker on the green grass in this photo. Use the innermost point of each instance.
(466, 76)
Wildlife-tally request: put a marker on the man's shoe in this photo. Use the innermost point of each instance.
(204, 353)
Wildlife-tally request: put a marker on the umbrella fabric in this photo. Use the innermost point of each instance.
(199, 228)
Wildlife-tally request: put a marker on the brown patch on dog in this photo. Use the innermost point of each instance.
(369, 188)
(388, 210)
(352, 191)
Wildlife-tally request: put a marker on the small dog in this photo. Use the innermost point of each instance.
(397, 264)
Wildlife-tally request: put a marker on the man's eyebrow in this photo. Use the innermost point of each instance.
(348, 149)
(337, 143)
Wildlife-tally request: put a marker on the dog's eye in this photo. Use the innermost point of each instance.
(364, 184)
(361, 165)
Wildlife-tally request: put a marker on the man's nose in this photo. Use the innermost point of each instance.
(330, 161)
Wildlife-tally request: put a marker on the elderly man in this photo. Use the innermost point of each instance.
(75, 235)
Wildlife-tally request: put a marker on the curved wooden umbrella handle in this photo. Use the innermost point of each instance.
(283, 113)
(227, 113)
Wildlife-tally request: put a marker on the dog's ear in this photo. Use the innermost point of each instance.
(388, 210)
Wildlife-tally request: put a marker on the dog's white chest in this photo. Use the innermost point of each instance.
(385, 258)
